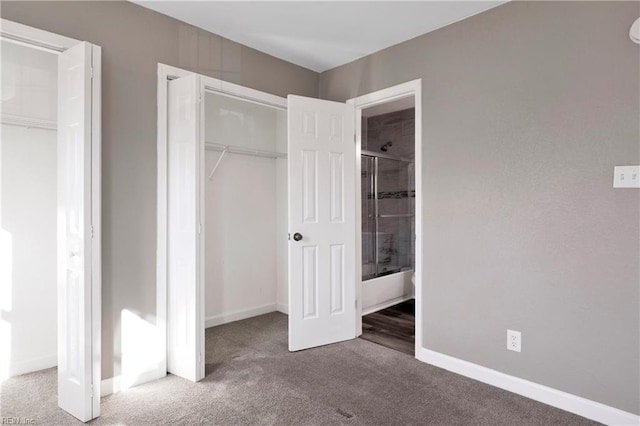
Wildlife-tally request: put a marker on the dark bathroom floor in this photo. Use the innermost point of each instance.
(393, 327)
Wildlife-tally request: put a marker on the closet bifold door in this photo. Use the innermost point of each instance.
(185, 298)
(75, 233)
(322, 246)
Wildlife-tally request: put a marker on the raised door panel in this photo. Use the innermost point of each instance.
(184, 314)
(74, 232)
(321, 209)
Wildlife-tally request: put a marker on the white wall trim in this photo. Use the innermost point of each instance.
(17, 368)
(115, 384)
(241, 314)
(32, 37)
(281, 307)
(110, 386)
(386, 304)
(556, 398)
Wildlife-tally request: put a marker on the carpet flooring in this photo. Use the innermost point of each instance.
(253, 379)
(393, 327)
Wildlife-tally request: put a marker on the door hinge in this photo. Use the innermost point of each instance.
(91, 72)
(91, 238)
(91, 390)
(354, 138)
(289, 236)
(199, 228)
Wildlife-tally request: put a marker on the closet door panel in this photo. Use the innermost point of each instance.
(185, 327)
(75, 233)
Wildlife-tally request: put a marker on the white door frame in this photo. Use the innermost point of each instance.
(55, 43)
(411, 88)
(210, 84)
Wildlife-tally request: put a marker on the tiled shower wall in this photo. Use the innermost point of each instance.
(397, 127)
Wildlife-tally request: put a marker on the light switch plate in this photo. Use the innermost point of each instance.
(626, 177)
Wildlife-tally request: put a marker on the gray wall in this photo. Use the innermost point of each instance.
(134, 40)
(526, 110)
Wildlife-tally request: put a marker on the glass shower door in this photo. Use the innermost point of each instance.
(387, 216)
(369, 269)
(395, 215)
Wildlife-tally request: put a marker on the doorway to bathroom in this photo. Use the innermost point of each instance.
(388, 126)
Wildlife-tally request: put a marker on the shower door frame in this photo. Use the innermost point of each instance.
(374, 187)
(390, 94)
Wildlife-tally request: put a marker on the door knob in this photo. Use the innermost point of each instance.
(297, 236)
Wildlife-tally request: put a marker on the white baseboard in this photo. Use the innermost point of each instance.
(386, 304)
(109, 386)
(281, 307)
(225, 318)
(17, 368)
(556, 398)
(115, 384)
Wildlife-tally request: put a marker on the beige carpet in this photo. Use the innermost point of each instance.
(253, 379)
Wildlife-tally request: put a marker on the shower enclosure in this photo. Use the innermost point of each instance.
(388, 205)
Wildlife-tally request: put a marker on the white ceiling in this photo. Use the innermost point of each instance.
(319, 35)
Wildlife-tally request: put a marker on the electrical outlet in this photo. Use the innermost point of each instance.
(514, 340)
(626, 177)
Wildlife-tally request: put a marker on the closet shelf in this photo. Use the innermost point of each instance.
(243, 151)
(28, 122)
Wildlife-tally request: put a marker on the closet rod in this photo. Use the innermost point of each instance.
(235, 96)
(243, 151)
(12, 38)
(28, 122)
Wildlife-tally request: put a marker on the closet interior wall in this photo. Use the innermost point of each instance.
(246, 211)
(28, 204)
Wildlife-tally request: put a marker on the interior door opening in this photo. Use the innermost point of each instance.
(50, 213)
(239, 171)
(226, 221)
(388, 223)
(250, 150)
(246, 256)
(389, 212)
(29, 163)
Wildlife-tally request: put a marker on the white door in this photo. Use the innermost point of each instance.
(185, 223)
(322, 238)
(78, 255)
